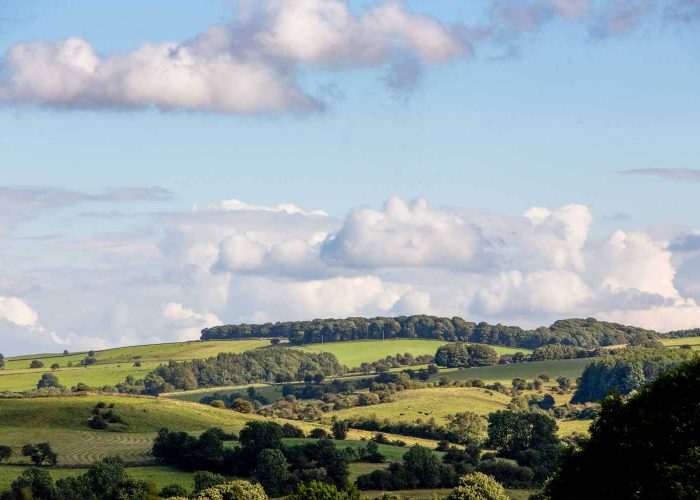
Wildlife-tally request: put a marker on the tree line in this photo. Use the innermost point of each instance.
(587, 333)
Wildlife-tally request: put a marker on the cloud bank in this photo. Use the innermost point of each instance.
(178, 272)
(254, 64)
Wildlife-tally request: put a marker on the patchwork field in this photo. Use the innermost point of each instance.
(572, 368)
(693, 342)
(431, 403)
(113, 365)
(62, 421)
(355, 353)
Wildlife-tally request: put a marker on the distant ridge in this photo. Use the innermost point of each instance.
(587, 333)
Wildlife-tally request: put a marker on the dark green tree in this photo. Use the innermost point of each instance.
(35, 363)
(5, 452)
(272, 471)
(33, 483)
(40, 453)
(340, 429)
(645, 447)
(423, 465)
(48, 380)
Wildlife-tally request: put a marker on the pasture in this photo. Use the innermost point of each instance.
(113, 365)
(572, 368)
(430, 403)
(356, 352)
(62, 421)
(693, 342)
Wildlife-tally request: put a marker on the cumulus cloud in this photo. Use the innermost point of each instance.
(239, 262)
(250, 66)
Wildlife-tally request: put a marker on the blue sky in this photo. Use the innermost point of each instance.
(548, 114)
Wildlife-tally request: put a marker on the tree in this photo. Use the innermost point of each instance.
(40, 453)
(645, 447)
(257, 436)
(467, 428)
(519, 384)
(2, 361)
(55, 366)
(33, 483)
(217, 403)
(5, 452)
(233, 490)
(65, 352)
(48, 380)
(35, 363)
(316, 490)
(564, 383)
(273, 472)
(340, 429)
(204, 479)
(242, 405)
(478, 486)
(423, 465)
(106, 479)
(91, 353)
(459, 354)
(370, 453)
(172, 490)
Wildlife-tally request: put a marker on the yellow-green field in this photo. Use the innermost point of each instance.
(431, 403)
(272, 392)
(62, 421)
(572, 368)
(159, 475)
(113, 365)
(693, 342)
(356, 352)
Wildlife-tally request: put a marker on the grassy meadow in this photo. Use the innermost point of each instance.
(693, 342)
(113, 365)
(354, 353)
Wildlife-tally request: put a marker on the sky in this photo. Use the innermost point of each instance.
(171, 165)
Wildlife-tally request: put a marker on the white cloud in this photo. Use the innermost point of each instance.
(249, 67)
(187, 322)
(187, 270)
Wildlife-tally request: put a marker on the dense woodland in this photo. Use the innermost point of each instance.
(587, 333)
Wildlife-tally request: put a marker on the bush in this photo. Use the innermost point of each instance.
(340, 429)
(35, 363)
(172, 490)
(48, 380)
(316, 490)
(234, 490)
(318, 433)
(478, 486)
(217, 403)
(205, 479)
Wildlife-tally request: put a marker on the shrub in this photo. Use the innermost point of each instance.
(316, 490)
(48, 380)
(478, 486)
(172, 490)
(234, 490)
(35, 363)
(217, 403)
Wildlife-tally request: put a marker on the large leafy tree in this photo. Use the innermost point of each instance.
(645, 447)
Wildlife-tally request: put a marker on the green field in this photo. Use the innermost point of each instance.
(272, 392)
(572, 368)
(693, 342)
(113, 365)
(62, 421)
(354, 353)
(431, 403)
(160, 475)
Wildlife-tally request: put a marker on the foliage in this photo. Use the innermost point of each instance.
(316, 490)
(461, 355)
(646, 447)
(467, 428)
(478, 486)
(48, 380)
(339, 429)
(625, 372)
(35, 363)
(261, 365)
(5, 452)
(233, 490)
(40, 453)
(272, 471)
(588, 333)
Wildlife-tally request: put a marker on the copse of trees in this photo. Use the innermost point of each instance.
(645, 447)
(588, 333)
(259, 365)
(625, 372)
(461, 355)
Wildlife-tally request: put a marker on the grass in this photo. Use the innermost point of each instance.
(113, 365)
(160, 475)
(391, 453)
(431, 403)
(354, 353)
(693, 342)
(272, 392)
(572, 368)
(62, 421)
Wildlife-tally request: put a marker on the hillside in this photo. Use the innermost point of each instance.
(588, 333)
